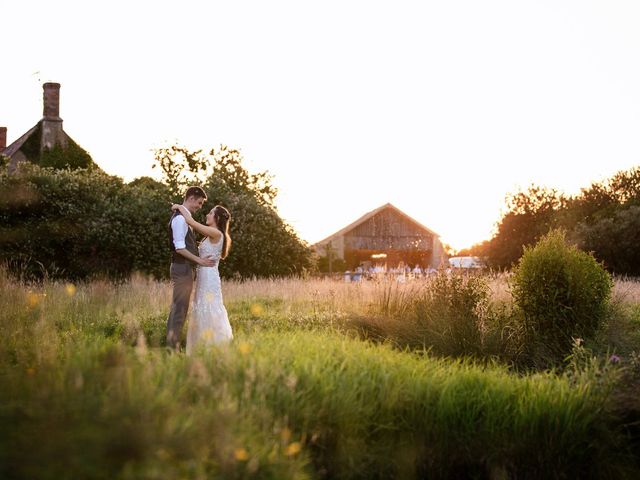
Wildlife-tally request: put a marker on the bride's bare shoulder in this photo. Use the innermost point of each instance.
(215, 235)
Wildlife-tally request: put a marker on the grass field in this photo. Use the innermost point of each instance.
(323, 380)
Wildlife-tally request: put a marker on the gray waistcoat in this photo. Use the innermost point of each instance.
(190, 243)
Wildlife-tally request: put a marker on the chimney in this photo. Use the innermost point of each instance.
(3, 138)
(51, 101)
(52, 133)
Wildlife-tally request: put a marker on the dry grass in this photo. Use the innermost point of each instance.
(626, 290)
(342, 295)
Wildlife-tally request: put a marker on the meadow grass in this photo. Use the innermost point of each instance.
(88, 391)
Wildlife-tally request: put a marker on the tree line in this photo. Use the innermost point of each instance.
(80, 223)
(603, 218)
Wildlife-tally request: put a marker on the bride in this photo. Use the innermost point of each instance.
(209, 323)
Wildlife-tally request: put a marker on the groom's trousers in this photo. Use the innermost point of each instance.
(182, 276)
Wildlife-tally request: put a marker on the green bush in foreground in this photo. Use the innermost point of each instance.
(562, 292)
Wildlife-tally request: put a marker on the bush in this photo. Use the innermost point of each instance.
(447, 315)
(83, 223)
(562, 292)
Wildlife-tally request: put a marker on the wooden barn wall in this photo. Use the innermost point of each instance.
(388, 230)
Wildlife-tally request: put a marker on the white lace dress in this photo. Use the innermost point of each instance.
(208, 322)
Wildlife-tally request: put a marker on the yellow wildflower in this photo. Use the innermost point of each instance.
(241, 454)
(293, 449)
(70, 288)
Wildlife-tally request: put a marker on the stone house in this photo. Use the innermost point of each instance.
(44, 137)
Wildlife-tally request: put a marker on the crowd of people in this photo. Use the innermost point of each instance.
(401, 273)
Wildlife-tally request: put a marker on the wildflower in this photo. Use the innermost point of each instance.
(32, 299)
(614, 358)
(257, 310)
(293, 449)
(70, 288)
(241, 454)
(244, 348)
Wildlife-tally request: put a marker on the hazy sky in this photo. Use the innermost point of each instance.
(439, 107)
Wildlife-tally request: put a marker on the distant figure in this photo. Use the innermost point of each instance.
(358, 275)
(347, 276)
(417, 271)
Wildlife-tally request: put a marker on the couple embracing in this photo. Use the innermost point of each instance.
(209, 323)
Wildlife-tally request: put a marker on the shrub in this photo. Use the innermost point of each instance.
(562, 292)
(83, 223)
(447, 315)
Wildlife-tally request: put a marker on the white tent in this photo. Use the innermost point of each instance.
(465, 262)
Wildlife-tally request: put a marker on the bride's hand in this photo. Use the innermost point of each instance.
(183, 210)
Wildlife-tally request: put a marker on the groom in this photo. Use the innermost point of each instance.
(184, 258)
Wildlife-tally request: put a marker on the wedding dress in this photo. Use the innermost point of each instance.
(209, 323)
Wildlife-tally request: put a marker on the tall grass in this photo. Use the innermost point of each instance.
(85, 393)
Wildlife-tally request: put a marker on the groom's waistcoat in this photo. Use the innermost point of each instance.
(189, 241)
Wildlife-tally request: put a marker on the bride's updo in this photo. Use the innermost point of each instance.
(223, 218)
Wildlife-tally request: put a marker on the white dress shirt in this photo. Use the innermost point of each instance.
(179, 229)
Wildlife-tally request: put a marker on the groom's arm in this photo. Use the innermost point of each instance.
(179, 230)
(205, 262)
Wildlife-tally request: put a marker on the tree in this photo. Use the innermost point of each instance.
(614, 240)
(530, 215)
(601, 219)
(263, 244)
(81, 223)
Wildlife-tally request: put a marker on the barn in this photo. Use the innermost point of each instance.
(384, 235)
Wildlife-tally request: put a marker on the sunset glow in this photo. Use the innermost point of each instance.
(438, 108)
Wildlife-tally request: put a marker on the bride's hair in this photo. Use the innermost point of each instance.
(223, 219)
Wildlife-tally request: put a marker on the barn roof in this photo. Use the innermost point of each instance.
(371, 214)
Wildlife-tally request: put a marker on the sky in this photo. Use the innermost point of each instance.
(440, 108)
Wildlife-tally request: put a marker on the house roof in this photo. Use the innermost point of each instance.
(371, 214)
(15, 146)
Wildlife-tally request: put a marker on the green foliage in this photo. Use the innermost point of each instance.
(562, 292)
(600, 219)
(263, 244)
(82, 395)
(83, 223)
(529, 215)
(182, 167)
(72, 156)
(356, 410)
(446, 315)
(337, 264)
(616, 239)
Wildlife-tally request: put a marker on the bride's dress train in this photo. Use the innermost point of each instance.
(208, 323)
